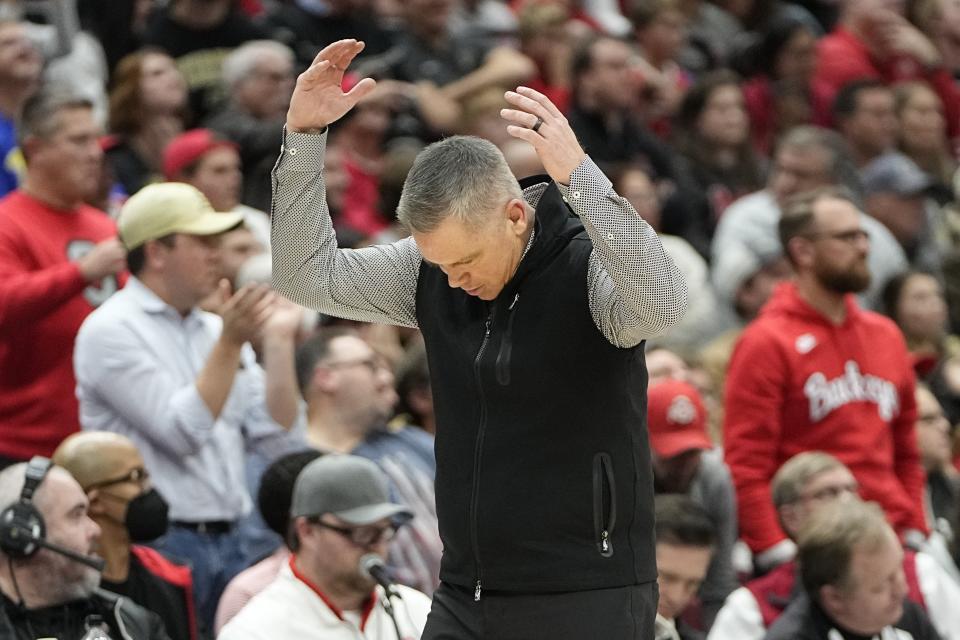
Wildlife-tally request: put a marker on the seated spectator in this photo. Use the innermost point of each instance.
(777, 91)
(660, 27)
(212, 164)
(803, 486)
(603, 115)
(194, 398)
(851, 566)
(713, 138)
(942, 497)
(896, 193)
(923, 134)
(21, 66)
(914, 300)
(259, 78)
(876, 41)
(273, 500)
(307, 27)
(148, 104)
(940, 20)
(340, 513)
(684, 462)
(806, 158)
(415, 400)
(807, 375)
(546, 40)
(199, 34)
(59, 260)
(48, 595)
(130, 513)
(350, 397)
(864, 114)
(685, 546)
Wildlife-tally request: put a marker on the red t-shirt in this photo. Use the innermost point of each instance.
(43, 301)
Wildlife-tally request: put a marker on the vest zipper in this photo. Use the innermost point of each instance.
(477, 453)
(506, 346)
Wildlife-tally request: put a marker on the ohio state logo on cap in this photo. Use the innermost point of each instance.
(681, 411)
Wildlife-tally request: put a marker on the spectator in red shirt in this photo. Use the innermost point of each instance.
(59, 259)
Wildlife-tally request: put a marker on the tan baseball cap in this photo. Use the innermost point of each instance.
(160, 209)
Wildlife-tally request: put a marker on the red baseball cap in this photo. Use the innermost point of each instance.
(676, 419)
(188, 147)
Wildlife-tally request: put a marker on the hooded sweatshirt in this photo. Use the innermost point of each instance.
(797, 382)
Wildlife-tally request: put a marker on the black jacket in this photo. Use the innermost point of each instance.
(543, 467)
(127, 621)
(804, 620)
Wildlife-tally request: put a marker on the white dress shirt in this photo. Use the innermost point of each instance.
(136, 361)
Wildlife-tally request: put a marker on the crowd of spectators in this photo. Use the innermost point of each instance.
(798, 159)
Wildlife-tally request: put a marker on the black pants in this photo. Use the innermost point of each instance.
(622, 613)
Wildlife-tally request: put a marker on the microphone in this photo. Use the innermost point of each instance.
(372, 566)
(91, 561)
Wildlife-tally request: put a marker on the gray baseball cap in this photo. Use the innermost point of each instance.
(351, 488)
(894, 172)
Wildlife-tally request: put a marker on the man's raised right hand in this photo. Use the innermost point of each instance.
(318, 99)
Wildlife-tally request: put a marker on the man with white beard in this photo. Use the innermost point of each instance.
(47, 593)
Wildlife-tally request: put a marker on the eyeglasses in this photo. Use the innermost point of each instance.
(138, 475)
(833, 492)
(361, 536)
(850, 237)
(370, 363)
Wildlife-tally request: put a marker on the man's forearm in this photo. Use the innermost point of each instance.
(282, 396)
(217, 376)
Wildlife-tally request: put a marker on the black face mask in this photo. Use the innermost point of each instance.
(146, 517)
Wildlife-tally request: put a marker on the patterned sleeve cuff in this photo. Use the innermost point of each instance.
(302, 152)
(587, 176)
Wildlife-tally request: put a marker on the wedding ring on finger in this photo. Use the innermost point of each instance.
(536, 125)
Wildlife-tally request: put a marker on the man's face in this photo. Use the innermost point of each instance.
(663, 364)
(71, 156)
(822, 489)
(237, 247)
(265, 93)
(120, 461)
(797, 169)
(64, 508)
(680, 572)
(676, 474)
(427, 17)
(840, 247)
(665, 35)
(873, 597)
(335, 555)
(610, 78)
(357, 380)
(873, 126)
(933, 431)
(218, 175)
(20, 61)
(481, 261)
(192, 266)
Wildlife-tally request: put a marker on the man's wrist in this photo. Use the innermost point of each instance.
(315, 131)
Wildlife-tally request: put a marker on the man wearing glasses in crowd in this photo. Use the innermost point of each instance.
(340, 514)
(130, 513)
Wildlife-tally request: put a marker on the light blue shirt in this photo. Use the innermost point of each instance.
(137, 360)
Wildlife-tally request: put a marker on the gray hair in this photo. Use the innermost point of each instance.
(240, 63)
(463, 177)
(840, 163)
(791, 479)
(41, 113)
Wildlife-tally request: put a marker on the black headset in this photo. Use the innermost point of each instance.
(21, 524)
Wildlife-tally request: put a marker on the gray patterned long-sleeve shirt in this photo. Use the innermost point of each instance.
(635, 289)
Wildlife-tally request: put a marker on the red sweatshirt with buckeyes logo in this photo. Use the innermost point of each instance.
(797, 382)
